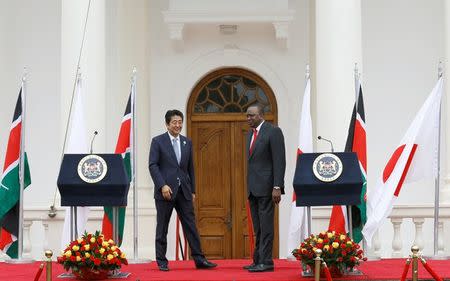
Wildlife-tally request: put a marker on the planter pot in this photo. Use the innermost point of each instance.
(91, 274)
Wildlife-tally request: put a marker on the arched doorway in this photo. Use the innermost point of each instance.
(216, 122)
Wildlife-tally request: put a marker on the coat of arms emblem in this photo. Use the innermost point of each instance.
(327, 167)
(92, 168)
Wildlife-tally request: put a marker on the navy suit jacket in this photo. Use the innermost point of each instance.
(165, 170)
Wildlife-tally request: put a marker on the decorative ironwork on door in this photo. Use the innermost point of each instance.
(230, 94)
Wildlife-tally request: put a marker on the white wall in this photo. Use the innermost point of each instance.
(30, 37)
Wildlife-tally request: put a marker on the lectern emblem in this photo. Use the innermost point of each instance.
(92, 168)
(327, 167)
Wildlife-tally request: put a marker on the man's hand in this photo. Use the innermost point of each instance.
(166, 192)
(193, 196)
(276, 195)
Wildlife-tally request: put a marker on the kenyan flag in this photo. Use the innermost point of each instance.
(356, 142)
(123, 147)
(10, 186)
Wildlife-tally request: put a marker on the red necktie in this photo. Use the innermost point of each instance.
(252, 145)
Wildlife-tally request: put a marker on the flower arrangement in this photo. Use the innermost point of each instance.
(338, 250)
(92, 253)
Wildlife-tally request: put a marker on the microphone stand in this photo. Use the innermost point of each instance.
(92, 141)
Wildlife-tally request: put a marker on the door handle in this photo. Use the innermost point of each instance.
(229, 221)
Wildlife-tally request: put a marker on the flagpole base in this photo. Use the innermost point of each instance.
(139, 261)
(19, 261)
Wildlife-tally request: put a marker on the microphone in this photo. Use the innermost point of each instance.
(92, 141)
(331, 143)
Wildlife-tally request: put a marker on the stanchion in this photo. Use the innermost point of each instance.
(327, 271)
(39, 272)
(406, 269)
(317, 263)
(430, 270)
(415, 265)
(48, 267)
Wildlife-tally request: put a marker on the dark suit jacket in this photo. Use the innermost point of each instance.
(267, 163)
(164, 167)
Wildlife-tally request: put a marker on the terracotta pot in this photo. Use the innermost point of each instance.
(85, 273)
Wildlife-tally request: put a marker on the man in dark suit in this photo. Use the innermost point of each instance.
(265, 183)
(172, 171)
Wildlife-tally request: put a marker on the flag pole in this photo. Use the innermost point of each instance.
(135, 259)
(21, 167)
(436, 180)
(357, 83)
(52, 210)
(308, 208)
(20, 258)
(133, 164)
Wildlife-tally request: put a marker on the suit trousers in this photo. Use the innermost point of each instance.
(262, 210)
(185, 210)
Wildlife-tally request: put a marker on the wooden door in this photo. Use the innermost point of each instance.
(221, 168)
(213, 185)
(217, 124)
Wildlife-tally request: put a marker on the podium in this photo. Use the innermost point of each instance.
(323, 179)
(93, 180)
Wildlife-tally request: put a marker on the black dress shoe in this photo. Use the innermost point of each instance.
(249, 266)
(261, 268)
(163, 267)
(205, 265)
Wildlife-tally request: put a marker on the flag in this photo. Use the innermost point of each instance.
(356, 142)
(10, 185)
(76, 143)
(414, 159)
(123, 146)
(298, 224)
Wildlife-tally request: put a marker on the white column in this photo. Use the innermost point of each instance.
(336, 47)
(92, 62)
(127, 38)
(444, 196)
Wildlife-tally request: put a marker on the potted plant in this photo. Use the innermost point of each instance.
(339, 252)
(92, 257)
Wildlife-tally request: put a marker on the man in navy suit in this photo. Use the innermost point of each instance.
(172, 171)
(266, 166)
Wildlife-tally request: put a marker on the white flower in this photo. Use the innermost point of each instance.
(184, 142)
